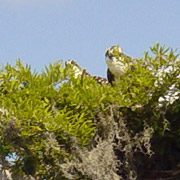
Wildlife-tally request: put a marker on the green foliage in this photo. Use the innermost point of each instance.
(54, 125)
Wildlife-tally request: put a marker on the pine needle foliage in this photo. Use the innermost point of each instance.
(55, 125)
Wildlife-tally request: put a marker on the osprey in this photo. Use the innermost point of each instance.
(117, 62)
(79, 72)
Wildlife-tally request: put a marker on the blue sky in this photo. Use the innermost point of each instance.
(43, 31)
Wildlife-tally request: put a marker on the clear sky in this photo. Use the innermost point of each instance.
(43, 31)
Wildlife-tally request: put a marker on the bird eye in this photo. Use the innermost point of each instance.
(107, 52)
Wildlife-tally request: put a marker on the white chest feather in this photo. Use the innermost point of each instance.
(116, 67)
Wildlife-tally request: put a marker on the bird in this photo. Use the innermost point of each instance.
(117, 63)
(80, 72)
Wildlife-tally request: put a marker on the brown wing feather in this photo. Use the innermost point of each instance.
(110, 77)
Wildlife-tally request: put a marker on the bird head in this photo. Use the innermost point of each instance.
(74, 67)
(113, 51)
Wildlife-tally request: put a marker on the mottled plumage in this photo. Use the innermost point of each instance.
(78, 71)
